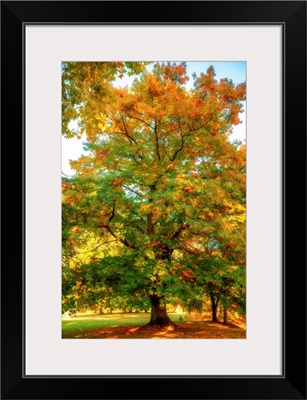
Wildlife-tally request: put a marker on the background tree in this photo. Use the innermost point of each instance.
(162, 182)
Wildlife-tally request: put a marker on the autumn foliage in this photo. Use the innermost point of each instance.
(155, 214)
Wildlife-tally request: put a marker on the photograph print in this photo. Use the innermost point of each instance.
(154, 200)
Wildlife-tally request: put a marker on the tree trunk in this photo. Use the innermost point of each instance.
(214, 304)
(158, 313)
(225, 316)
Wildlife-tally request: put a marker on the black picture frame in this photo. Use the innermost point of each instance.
(292, 16)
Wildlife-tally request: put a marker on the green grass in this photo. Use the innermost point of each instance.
(84, 323)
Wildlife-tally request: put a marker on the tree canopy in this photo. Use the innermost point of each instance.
(155, 213)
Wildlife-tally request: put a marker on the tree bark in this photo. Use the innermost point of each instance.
(158, 315)
(214, 304)
(225, 316)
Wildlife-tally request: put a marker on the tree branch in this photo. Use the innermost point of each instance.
(97, 247)
(182, 144)
(140, 229)
(130, 138)
(137, 161)
(157, 142)
(108, 228)
(183, 227)
(126, 130)
(138, 119)
(112, 213)
(133, 191)
(198, 128)
(123, 241)
(150, 224)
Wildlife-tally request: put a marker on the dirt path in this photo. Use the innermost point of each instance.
(187, 330)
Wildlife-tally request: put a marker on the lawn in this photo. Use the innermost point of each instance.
(131, 326)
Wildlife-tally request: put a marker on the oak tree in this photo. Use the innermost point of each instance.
(161, 191)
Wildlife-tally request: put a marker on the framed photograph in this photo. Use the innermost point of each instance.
(159, 153)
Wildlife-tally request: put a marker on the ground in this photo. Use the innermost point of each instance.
(131, 326)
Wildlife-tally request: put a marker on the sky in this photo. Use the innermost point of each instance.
(72, 148)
